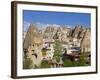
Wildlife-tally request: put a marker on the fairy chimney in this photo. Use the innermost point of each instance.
(86, 42)
(33, 43)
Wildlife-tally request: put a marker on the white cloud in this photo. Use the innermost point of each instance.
(25, 26)
(41, 26)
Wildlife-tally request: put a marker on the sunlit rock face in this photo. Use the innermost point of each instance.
(33, 43)
(24, 34)
(62, 34)
(49, 32)
(76, 31)
(86, 41)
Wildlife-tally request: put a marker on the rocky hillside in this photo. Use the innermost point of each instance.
(62, 33)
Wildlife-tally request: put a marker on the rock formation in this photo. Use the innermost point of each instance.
(86, 42)
(33, 44)
(49, 32)
(76, 31)
(34, 39)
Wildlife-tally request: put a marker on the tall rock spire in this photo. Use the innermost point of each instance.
(32, 37)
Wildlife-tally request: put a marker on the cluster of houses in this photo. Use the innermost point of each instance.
(39, 47)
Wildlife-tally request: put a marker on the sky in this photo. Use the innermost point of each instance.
(59, 18)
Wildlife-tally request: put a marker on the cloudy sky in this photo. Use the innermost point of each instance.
(43, 18)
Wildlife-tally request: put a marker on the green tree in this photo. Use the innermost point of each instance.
(57, 50)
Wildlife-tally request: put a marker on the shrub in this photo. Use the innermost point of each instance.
(27, 63)
(57, 50)
(67, 63)
(45, 64)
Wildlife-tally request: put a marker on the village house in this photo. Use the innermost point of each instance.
(48, 50)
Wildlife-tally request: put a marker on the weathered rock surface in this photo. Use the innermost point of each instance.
(33, 44)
